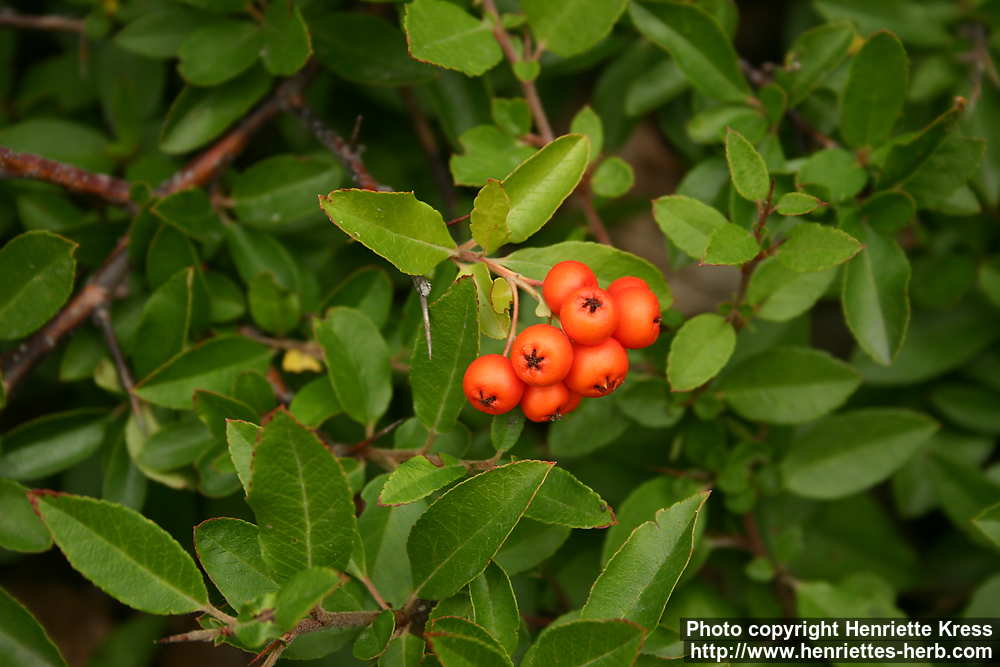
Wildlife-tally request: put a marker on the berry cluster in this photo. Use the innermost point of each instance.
(550, 370)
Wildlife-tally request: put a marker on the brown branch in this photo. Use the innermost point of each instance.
(10, 18)
(348, 154)
(36, 167)
(594, 222)
(429, 144)
(102, 318)
(461, 218)
(528, 87)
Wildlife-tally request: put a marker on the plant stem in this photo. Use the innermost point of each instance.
(36, 167)
(12, 19)
(102, 318)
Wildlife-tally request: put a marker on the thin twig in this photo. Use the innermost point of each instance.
(102, 318)
(374, 437)
(594, 222)
(461, 218)
(306, 347)
(36, 167)
(10, 18)
(373, 591)
(348, 154)
(429, 144)
(528, 87)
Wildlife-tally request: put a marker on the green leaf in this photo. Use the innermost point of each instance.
(369, 290)
(540, 184)
(797, 203)
(963, 489)
(595, 424)
(505, 430)
(357, 363)
(212, 366)
(565, 500)
(906, 157)
(779, 294)
(20, 528)
(687, 222)
(788, 385)
(811, 246)
(280, 191)
(494, 606)
(384, 531)
(168, 317)
(641, 506)
(606, 262)
(130, 88)
(177, 444)
(876, 296)
(23, 640)
(274, 308)
(852, 451)
(216, 410)
(60, 140)
(315, 403)
(530, 544)
(699, 351)
(746, 168)
(833, 174)
(51, 444)
(458, 642)
(942, 175)
(572, 27)
(586, 643)
(813, 56)
(219, 51)
(967, 405)
(697, 44)
(123, 553)
(159, 33)
(396, 225)
(589, 124)
(488, 153)
(453, 540)
(526, 70)
(494, 299)
(285, 36)
(418, 477)
(241, 438)
(198, 115)
(512, 115)
(300, 594)
(730, 245)
(229, 551)
(712, 125)
(613, 178)
(405, 650)
(301, 499)
(437, 381)
(191, 212)
(36, 278)
(914, 22)
(988, 523)
(647, 402)
(875, 92)
(444, 34)
(489, 216)
(638, 580)
(366, 49)
(374, 638)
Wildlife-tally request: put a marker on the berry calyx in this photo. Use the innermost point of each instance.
(491, 385)
(564, 278)
(589, 315)
(544, 404)
(638, 317)
(597, 369)
(541, 355)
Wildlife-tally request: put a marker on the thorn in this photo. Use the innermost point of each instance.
(423, 290)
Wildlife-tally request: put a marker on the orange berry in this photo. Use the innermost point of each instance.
(597, 369)
(541, 355)
(564, 278)
(626, 282)
(491, 385)
(543, 404)
(589, 315)
(638, 317)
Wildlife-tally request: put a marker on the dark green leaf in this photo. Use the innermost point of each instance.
(638, 580)
(175, 445)
(698, 45)
(23, 640)
(458, 641)
(595, 424)
(229, 551)
(875, 92)
(285, 36)
(589, 124)
(505, 430)
(36, 278)
(168, 318)
(913, 22)
(970, 406)
(395, 225)
(453, 541)
(699, 351)
(160, 32)
(357, 362)
(437, 381)
(241, 438)
(494, 606)
(565, 500)
(366, 49)
(51, 444)
(274, 308)
(852, 451)
(418, 477)
(488, 153)
(614, 177)
(301, 500)
(384, 531)
(20, 528)
(123, 553)
(788, 385)
(813, 56)
(281, 190)
(61, 140)
(586, 643)
(444, 34)
(219, 51)
(988, 523)
(814, 247)
(906, 157)
(211, 366)
(374, 638)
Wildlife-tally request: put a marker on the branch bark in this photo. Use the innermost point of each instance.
(348, 154)
(12, 19)
(38, 168)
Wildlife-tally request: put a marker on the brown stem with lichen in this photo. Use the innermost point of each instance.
(36, 167)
